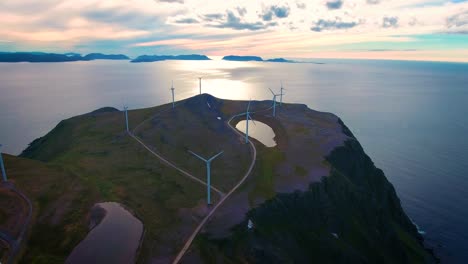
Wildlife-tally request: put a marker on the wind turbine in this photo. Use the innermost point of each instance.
(274, 101)
(126, 117)
(4, 176)
(199, 83)
(208, 173)
(247, 117)
(281, 94)
(172, 88)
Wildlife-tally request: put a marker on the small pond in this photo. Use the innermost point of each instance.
(260, 131)
(114, 240)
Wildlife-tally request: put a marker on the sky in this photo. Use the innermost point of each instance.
(360, 29)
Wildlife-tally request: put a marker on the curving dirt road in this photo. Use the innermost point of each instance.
(203, 222)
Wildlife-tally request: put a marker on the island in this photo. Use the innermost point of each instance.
(153, 58)
(255, 58)
(313, 197)
(100, 56)
(55, 57)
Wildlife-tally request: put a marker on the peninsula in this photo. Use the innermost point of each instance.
(314, 197)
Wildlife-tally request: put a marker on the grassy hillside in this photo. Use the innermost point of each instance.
(90, 158)
(351, 216)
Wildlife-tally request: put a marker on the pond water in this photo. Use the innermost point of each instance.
(260, 131)
(114, 240)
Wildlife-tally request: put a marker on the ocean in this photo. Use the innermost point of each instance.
(410, 117)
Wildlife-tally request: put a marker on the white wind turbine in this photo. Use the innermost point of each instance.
(199, 83)
(247, 117)
(274, 101)
(281, 94)
(2, 166)
(172, 88)
(126, 117)
(208, 173)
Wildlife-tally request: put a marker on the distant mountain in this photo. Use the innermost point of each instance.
(100, 56)
(37, 57)
(151, 58)
(242, 58)
(254, 58)
(280, 60)
(55, 57)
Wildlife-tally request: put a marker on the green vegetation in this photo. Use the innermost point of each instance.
(300, 170)
(89, 159)
(355, 202)
(264, 174)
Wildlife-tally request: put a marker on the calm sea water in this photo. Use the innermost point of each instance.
(410, 117)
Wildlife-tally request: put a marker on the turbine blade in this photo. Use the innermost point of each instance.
(215, 156)
(251, 119)
(271, 91)
(196, 155)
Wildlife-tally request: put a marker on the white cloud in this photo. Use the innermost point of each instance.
(207, 25)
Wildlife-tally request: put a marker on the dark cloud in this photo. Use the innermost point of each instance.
(212, 17)
(373, 2)
(301, 5)
(390, 22)
(458, 20)
(241, 10)
(277, 11)
(267, 16)
(234, 22)
(322, 25)
(334, 4)
(458, 23)
(280, 11)
(171, 1)
(187, 21)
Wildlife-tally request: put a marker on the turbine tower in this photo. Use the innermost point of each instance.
(247, 117)
(281, 94)
(274, 101)
(172, 88)
(126, 117)
(199, 83)
(208, 173)
(4, 176)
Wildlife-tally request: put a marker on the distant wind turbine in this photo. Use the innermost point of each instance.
(172, 88)
(281, 94)
(4, 176)
(247, 117)
(199, 83)
(126, 117)
(208, 173)
(274, 101)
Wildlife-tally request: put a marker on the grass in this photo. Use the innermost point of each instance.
(264, 174)
(91, 159)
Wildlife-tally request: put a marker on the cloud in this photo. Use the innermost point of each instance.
(212, 17)
(280, 11)
(322, 25)
(334, 4)
(241, 10)
(234, 22)
(301, 5)
(188, 20)
(277, 11)
(458, 23)
(172, 1)
(389, 22)
(267, 16)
